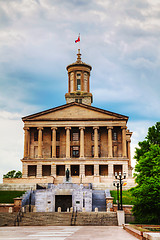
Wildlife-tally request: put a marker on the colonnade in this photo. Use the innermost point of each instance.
(68, 129)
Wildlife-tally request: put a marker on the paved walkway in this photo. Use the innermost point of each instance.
(64, 233)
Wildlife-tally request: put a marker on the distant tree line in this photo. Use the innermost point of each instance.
(13, 174)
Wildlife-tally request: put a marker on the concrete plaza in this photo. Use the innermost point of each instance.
(64, 233)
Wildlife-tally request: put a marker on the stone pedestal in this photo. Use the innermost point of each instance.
(121, 218)
(109, 204)
(17, 204)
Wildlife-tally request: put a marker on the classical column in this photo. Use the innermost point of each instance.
(40, 142)
(81, 142)
(53, 142)
(82, 81)
(95, 142)
(28, 143)
(110, 152)
(129, 152)
(25, 142)
(39, 170)
(75, 83)
(67, 142)
(69, 84)
(124, 153)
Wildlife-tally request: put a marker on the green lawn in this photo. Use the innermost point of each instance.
(7, 196)
(126, 197)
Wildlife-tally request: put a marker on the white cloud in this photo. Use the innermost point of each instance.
(11, 142)
(120, 39)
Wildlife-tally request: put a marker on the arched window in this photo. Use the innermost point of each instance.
(78, 81)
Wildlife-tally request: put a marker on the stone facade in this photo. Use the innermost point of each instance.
(81, 198)
(91, 142)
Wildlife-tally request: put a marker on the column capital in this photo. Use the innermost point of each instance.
(95, 127)
(109, 127)
(67, 128)
(53, 128)
(26, 128)
(81, 128)
(123, 127)
(39, 128)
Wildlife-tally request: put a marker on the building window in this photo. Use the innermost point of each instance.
(57, 136)
(78, 81)
(103, 170)
(74, 170)
(92, 136)
(114, 136)
(99, 151)
(46, 170)
(80, 100)
(35, 151)
(57, 151)
(76, 100)
(32, 170)
(117, 169)
(36, 135)
(75, 136)
(75, 151)
(60, 170)
(89, 170)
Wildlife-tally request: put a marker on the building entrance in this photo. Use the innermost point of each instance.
(63, 201)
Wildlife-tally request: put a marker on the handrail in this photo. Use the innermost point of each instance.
(72, 217)
(75, 218)
(19, 216)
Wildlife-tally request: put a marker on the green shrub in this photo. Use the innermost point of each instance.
(7, 196)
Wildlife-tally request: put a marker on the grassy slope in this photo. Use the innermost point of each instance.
(126, 197)
(7, 196)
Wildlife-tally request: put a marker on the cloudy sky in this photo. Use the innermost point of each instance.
(120, 39)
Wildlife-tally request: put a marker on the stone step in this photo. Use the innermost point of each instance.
(7, 219)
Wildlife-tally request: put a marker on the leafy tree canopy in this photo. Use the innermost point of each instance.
(147, 175)
(13, 174)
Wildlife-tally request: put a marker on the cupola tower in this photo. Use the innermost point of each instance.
(79, 82)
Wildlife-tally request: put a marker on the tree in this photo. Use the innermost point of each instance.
(147, 176)
(13, 174)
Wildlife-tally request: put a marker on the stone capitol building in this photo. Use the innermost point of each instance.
(90, 142)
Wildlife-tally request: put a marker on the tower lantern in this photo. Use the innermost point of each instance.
(79, 82)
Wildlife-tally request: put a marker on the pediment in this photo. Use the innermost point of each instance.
(74, 111)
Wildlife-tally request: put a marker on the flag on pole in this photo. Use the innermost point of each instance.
(78, 39)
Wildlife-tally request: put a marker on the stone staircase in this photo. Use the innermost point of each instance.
(46, 219)
(61, 219)
(7, 219)
(96, 219)
(99, 200)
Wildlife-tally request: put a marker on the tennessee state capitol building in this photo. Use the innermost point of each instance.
(91, 142)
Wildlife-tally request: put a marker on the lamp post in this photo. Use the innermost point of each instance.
(118, 184)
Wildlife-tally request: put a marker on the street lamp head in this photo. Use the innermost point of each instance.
(116, 175)
(124, 175)
(120, 174)
(114, 183)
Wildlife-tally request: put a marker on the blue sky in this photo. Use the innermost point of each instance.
(119, 39)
